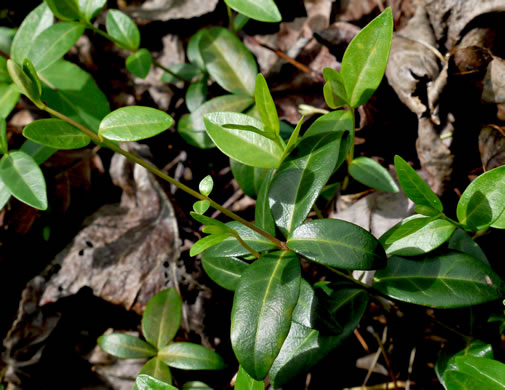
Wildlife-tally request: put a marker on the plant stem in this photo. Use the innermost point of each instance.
(246, 246)
(230, 18)
(154, 170)
(170, 72)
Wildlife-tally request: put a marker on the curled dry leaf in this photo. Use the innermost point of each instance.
(491, 148)
(494, 82)
(163, 10)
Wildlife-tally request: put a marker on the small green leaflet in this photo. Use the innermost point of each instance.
(225, 271)
(196, 94)
(126, 346)
(91, 8)
(266, 106)
(262, 10)
(245, 382)
(147, 382)
(122, 29)
(64, 10)
(24, 83)
(334, 89)
(189, 356)
(139, 63)
(207, 242)
(370, 173)
(206, 185)
(55, 133)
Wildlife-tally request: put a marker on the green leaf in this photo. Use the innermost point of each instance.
(244, 146)
(293, 139)
(37, 21)
(24, 179)
(56, 133)
(73, 92)
(196, 94)
(261, 316)
(305, 311)
(53, 43)
(298, 181)
(334, 89)
(416, 235)
(126, 346)
(201, 206)
(196, 385)
(265, 105)
(338, 244)
(231, 247)
(500, 222)
(5, 195)
(461, 241)
(30, 71)
(162, 318)
(415, 187)
(446, 280)
(365, 59)
(133, 123)
(185, 71)
(262, 213)
(206, 185)
(24, 83)
(246, 382)
(370, 173)
(228, 61)
(483, 201)
(38, 152)
(139, 63)
(147, 382)
(239, 21)
(262, 10)
(91, 8)
(476, 372)
(189, 356)
(207, 242)
(193, 49)
(157, 369)
(6, 36)
(4, 73)
(4, 148)
(9, 96)
(123, 29)
(64, 9)
(249, 179)
(427, 211)
(192, 127)
(225, 271)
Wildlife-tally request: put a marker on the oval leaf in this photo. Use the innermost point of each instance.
(134, 123)
(225, 271)
(9, 96)
(147, 382)
(228, 61)
(64, 9)
(24, 83)
(196, 94)
(162, 318)
(370, 173)
(334, 89)
(38, 152)
(487, 372)
(483, 201)
(245, 382)
(247, 147)
(24, 179)
(447, 280)
(126, 346)
(122, 29)
(193, 49)
(91, 8)
(157, 369)
(415, 187)
(261, 316)
(265, 105)
(365, 59)
(139, 63)
(262, 10)
(249, 179)
(56, 133)
(189, 356)
(192, 128)
(337, 243)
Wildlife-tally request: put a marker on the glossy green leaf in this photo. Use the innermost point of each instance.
(162, 318)
(427, 211)
(133, 123)
(24, 83)
(225, 271)
(245, 382)
(196, 94)
(262, 10)
(249, 179)
(370, 173)
(483, 201)
(139, 63)
(123, 29)
(416, 235)
(147, 382)
(157, 369)
(265, 105)
(231, 247)
(447, 280)
(56, 133)
(91, 8)
(293, 139)
(228, 61)
(338, 244)
(4, 73)
(64, 9)
(193, 49)
(38, 152)
(37, 21)
(475, 372)
(201, 206)
(185, 72)
(206, 185)
(499, 223)
(30, 71)
(9, 96)
(247, 147)
(334, 89)
(208, 221)
(365, 59)
(189, 356)
(298, 181)
(261, 316)
(6, 36)
(3, 136)
(192, 127)
(53, 43)
(73, 92)
(196, 385)
(207, 242)
(239, 21)
(262, 212)
(305, 311)
(125, 346)
(461, 241)
(415, 187)
(24, 179)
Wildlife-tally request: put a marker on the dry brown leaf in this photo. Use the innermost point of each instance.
(164, 10)
(494, 82)
(491, 148)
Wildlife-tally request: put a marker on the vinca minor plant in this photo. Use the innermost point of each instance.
(281, 325)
